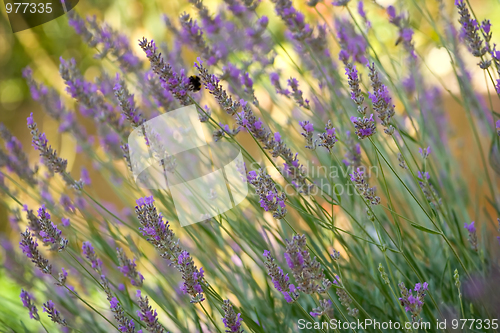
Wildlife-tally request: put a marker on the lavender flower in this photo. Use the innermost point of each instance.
(352, 44)
(275, 81)
(297, 93)
(325, 308)
(176, 84)
(125, 324)
(472, 234)
(405, 32)
(381, 100)
(128, 268)
(358, 178)
(127, 103)
(402, 162)
(53, 314)
(470, 30)
(428, 190)
(498, 127)
(353, 80)
(231, 320)
(345, 299)
(88, 251)
(424, 152)
(27, 300)
(164, 240)
(193, 35)
(269, 197)
(29, 247)
(49, 232)
(157, 232)
(305, 270)
(328, 138)
(364, 127)
(49, 156)
(61, 281)
(148, 315)
(17, 160)
(413, 303)
(308, 129)
(280, 280)
(192, 277)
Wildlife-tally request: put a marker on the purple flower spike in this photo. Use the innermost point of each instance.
(27, 300)
(471, 228)
(231, 320)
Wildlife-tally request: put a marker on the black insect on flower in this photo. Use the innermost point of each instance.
(194, 83)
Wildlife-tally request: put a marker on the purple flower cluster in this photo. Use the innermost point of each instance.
(353, 80)
(280, 280)
(193, 278)
(160, 235)
(305, 270)
(325, 308)
(127, 103)
(16, 159)
(405, 32)
(129, 269)
(125, 324)
(109, 41)
(148, 315)
(192, 34)
(269, 197)
(364, 127)
(307, 133)
(470, 30)
(49, 156)
(29, 247)
(328, 138)
(49, 233)
(27, 300)
(176, 84)
(424, 152)
(231, 320)
(353, 45)
(381, 100)
(297, 93)
(53, 314)
(413, 303)
(88, 251)
(471, 229)
(359, 180)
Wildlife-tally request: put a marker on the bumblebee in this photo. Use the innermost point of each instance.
(194, 83)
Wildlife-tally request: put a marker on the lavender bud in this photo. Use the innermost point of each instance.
(53, 314)
(308, 129)
(472, 234)
(328, 138)
(27, 300)
(148, 315)
(413, 303)
(280, 280)
(49, 232)
(29, 247)
(231, 320)
(358, 178)
(128, 268)
(88, 251)
(269, 197)
(305, 270)
(325, 308)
